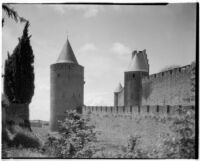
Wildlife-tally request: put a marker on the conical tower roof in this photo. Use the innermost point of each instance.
(119, 88)
(67, 54)
(139, 62)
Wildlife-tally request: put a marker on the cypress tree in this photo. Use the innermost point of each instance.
(19, 71)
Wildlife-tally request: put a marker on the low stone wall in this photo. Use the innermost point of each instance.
(135, 110)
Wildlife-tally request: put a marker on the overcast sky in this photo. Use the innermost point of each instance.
(102, 37)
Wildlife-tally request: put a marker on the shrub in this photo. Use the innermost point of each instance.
(4, 137)
(132, 150)
(182, 143)
(75, 139)
(21, 137)
(4, 153)
(21, 152)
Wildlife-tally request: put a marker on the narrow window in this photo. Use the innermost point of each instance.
(168, 109)
(139, 109)
(133, 75)
(148, 109)
(157, 109)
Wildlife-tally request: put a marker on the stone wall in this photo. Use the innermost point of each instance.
(171, 87)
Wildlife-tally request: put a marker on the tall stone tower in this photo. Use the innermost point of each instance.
(137, 69)
(67, 85)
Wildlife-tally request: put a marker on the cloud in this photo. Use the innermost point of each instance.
(44, 87)
(87, 47)
(88, 10)
(97, 99)
(120, 49)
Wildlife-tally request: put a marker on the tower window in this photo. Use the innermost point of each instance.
(133, 75)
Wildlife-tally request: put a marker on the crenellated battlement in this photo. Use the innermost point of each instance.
(169, 73)
(135, 110)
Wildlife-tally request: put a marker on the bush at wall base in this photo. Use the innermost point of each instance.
(75, 139)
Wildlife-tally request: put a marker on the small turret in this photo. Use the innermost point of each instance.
(119, 88)
(119, 95)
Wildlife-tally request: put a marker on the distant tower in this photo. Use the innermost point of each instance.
(116, 94)
(137, 69)
(67, 85)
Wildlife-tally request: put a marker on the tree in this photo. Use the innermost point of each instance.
(11, 13)
(76, 138)
(181, 144)
(19, 71)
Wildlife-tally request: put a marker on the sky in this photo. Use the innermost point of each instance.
(102, 38)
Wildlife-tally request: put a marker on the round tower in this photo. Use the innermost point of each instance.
(67, 86)
(138, 68)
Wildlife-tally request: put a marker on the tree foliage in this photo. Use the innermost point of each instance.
(76, 138)
(182, 144)
(19, 71)
(11, 13)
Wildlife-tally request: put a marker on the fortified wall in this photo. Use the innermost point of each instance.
(135, 110)
(172, 87)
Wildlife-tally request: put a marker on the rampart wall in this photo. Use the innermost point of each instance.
(135, 110)
(172, 87)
